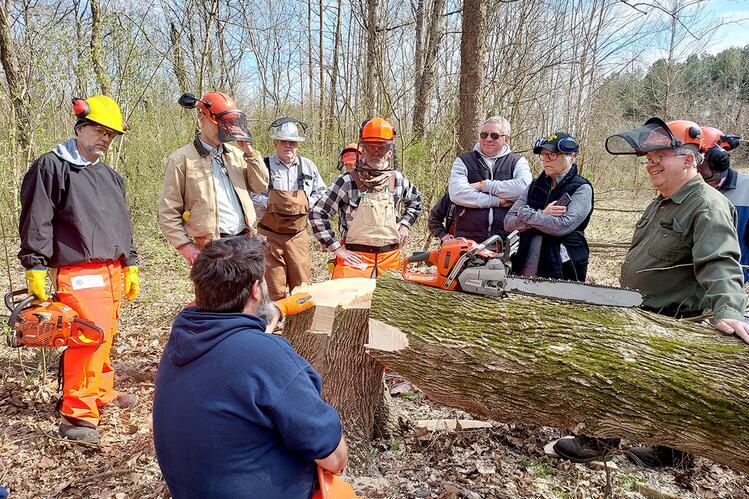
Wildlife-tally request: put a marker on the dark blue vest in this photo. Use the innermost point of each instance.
(473, 223)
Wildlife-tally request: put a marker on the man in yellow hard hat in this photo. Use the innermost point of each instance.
(208, 182)
(368, 200)
(75, 222)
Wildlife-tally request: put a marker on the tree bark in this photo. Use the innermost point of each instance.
(352, 381)
(373, 56)
(426, 75)
(102, 78)
(13, 77)
(472, 59)
(606, 372)
(178, 64)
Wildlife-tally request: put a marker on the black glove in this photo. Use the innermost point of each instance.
(718, 159)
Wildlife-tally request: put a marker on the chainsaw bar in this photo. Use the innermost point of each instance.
(488, 281)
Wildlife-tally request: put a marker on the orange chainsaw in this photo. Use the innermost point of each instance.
(48, 324)
(465, 265)
(332, 486)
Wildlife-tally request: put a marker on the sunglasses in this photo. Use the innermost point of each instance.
(493, 135)
(102, 130)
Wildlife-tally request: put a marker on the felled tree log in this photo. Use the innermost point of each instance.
(331, 337)
(607, 372)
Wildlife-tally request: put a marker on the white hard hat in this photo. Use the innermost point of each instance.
(287, 129)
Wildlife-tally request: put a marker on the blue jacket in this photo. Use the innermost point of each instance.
(237, 412)
(736, 189)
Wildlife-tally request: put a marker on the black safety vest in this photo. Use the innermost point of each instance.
(473, 223)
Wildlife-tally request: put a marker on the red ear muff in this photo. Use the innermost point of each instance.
(695, 132)
(80, 107)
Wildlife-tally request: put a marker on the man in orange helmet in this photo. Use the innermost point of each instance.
(208, 182)
(350, 154)
(75, 222)
(684, 256)
(717, 172)
(367, 199)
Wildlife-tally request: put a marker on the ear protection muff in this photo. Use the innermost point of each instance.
(80, 108)
(361, 127)
(568, 145)
(695, 132)
(718, 159)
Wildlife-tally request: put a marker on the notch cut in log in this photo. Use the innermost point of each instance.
(608, 372)
(331, 336)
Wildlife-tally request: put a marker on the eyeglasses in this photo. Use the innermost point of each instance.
(377, 147)
(549, 156)
(493, 135)
(657, 158)
(102, 130)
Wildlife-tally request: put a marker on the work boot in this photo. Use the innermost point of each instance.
(582, 449)
(658, 456)
(125, 400)
(79, 433)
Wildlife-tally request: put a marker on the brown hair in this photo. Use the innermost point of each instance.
(224, 272)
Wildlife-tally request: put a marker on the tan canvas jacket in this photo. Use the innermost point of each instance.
(189, 186)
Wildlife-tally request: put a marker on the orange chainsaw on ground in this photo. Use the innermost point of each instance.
(468, 266)
(47, 324)
(332, 486)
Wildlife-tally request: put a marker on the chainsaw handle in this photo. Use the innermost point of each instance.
(10, 302)
(419, 257)
(19, 306)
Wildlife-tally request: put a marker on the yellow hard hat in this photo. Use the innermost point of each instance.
(102, 110)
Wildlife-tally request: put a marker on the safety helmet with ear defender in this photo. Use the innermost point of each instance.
(102, 110)
(655, 135)
(376, 130)
(221, 110)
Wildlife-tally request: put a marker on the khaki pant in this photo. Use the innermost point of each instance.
(287, 261)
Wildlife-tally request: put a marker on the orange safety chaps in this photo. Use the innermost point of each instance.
(94, 290)
(376, 264)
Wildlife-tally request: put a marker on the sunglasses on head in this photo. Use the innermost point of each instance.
(493, 135)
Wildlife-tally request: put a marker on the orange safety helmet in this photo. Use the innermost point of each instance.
(350, 154)
(685, 132)
(376, 130)
(216, 104)
(655, 135)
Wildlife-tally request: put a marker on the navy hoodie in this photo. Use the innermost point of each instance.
(237, 412)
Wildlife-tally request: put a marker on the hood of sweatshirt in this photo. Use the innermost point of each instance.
(68, 151)
(195, 332)
(504, 152)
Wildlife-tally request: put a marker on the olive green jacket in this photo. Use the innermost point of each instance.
(684, 255)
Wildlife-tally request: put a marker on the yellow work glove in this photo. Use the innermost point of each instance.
(293, 304)
(132, 283)
(36, 282)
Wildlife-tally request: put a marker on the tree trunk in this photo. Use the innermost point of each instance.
(607, 372)
(472, 58)
(331, 337)
(425, 80)
(16, 88)
(332, 110)
(102, 78)
(373, 55)
(178, 64)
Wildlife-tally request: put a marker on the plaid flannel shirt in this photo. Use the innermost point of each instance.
(343, 198)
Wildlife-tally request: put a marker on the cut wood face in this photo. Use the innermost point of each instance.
(385, 338)
(355, 292)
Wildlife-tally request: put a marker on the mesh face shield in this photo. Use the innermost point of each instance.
(232, 125)
(654, 135)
